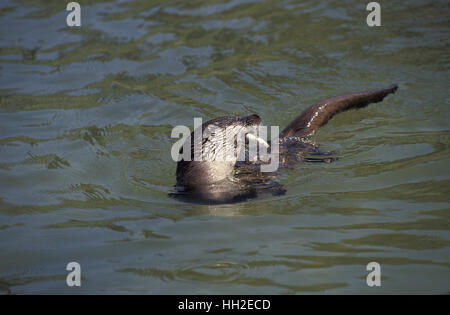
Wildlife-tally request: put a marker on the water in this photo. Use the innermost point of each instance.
(85, 168)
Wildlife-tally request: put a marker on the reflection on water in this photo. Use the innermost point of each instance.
(85, 166)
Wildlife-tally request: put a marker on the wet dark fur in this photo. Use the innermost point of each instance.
(222, 182)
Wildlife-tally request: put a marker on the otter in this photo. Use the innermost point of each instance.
(216, 181)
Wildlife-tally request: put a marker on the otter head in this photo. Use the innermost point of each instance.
(214, 151)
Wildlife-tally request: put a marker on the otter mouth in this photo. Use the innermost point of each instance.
(253, 121)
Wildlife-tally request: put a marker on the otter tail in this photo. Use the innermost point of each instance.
(320, 113)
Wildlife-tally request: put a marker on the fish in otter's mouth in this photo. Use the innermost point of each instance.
(217, 165)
